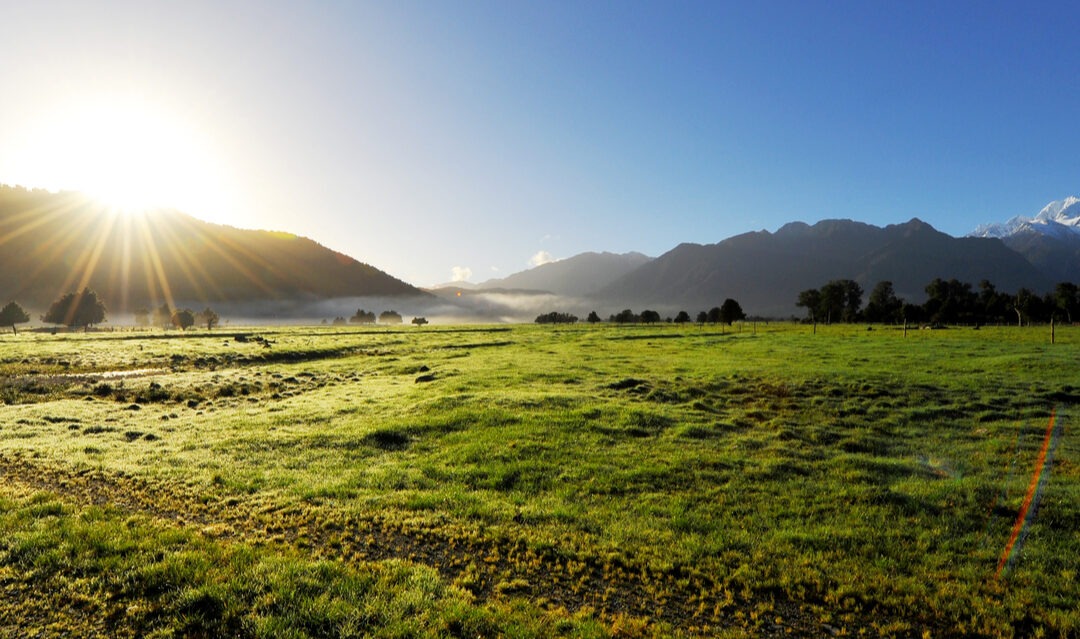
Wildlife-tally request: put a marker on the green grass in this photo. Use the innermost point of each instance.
(555, 480)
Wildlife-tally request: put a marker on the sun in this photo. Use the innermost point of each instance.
(128, 153)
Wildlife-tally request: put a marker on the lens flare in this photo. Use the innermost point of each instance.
(1039, 478)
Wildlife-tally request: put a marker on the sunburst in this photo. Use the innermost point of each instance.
(129, 154)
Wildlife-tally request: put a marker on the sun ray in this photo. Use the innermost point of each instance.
(151, 255)
(86, 264)
(54, 250)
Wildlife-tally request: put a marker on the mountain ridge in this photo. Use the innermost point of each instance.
(766, 271)
(574, 276)
(53, 243)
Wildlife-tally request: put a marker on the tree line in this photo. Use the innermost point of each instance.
(84, 309)
(948, 302)
(368, 317)
(727, 313)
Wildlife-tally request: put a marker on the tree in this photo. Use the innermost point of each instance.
(992, 306)
(13, 314)
(183, 319)
(1067, 300)
(714, 315)
(363, 317)
(592, 318)
(625, 316)
(389, 317)
(340, 321)
(950, 302)
(209, 317)
(555, 317)
(702, 317)
(810, 299)
(419, 321)
(1028, 305)
(142, 316)
(649, 317)
(77, 309)
(840, 301)
(884, 305)
(682, 318)
(731, 312)
(163, 316)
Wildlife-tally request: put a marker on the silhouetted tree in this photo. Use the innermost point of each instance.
(649, 317)
(625, 316)
(884, 305)
(163, 316)
(363, 317)
(340, 321)
(840, 301)
(209, 317)
(1028, 305)
(593, 317)
(682, 318)
(142, 316)
(702, 317)
(13, 314)
(389, 317)
(992, 306)
(77, 309)
(950, 302)
(183, 319)
(556, 318)
(913, 313)
(419, 321)
(1067, 300)
(810, 299)
(731, 312)
(714, 315)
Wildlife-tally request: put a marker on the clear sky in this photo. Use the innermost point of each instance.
(436, 137)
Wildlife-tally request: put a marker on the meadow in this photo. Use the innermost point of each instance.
(535, 481)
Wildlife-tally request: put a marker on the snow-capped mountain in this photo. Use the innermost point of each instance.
(1050, 240)
(1060, 219)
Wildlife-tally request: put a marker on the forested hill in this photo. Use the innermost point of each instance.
(52, 243)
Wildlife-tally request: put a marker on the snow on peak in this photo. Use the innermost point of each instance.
(1065, 212)
(1055, 219)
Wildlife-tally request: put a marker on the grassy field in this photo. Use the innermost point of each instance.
(535, 481)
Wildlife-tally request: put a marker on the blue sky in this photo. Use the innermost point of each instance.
(424, 136)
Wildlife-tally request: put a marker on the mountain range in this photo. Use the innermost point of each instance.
(52, 243)
(766, 271)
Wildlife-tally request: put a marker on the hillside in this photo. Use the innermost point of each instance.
(52, 243)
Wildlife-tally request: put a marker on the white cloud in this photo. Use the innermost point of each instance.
(460, 274)
(541, 257)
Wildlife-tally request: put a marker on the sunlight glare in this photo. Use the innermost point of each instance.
(130, 155)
